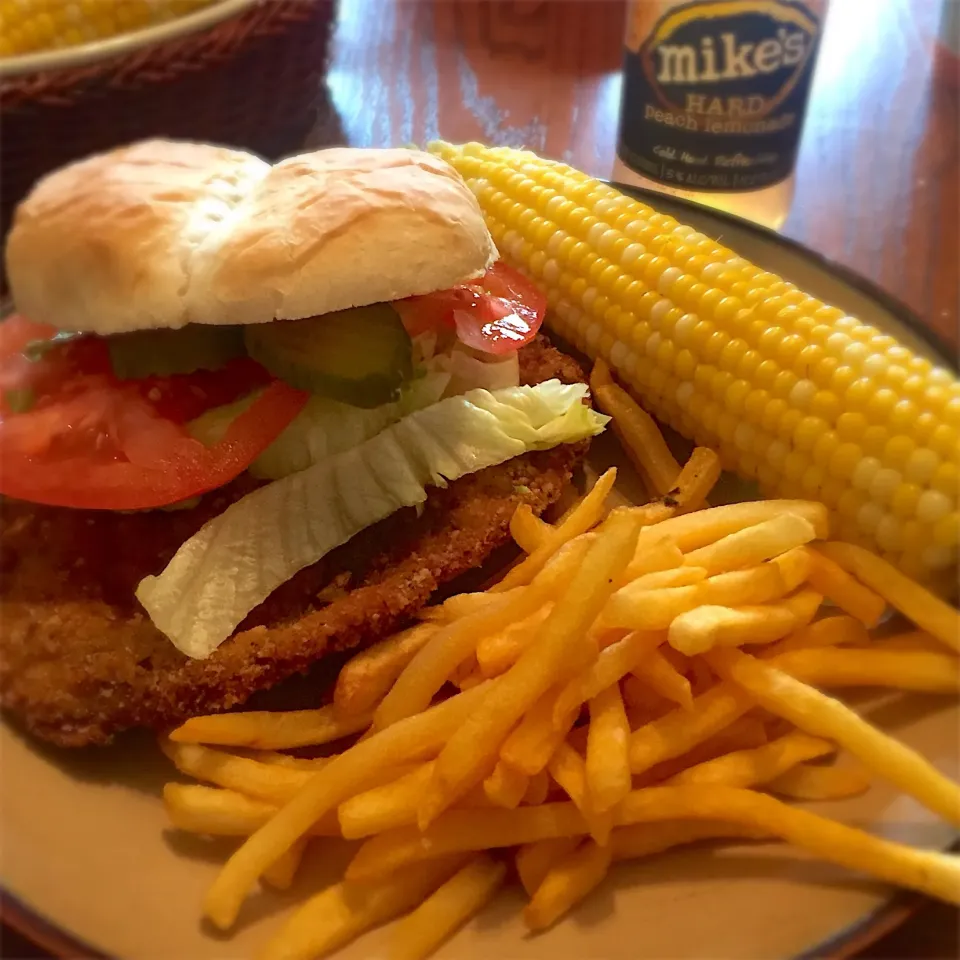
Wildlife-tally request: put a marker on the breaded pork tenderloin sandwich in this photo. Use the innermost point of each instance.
(253, 414)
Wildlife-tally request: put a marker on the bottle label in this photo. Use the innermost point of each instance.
(715, 91)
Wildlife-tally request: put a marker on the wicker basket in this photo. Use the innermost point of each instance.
(254, 81)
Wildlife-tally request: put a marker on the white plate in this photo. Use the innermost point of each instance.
(87, 853)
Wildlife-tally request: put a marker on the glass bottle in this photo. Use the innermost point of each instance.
(714, 96)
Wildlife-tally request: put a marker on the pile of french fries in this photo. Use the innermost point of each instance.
(645, 677)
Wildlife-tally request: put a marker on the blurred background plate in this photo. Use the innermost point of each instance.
(87, 857)
(123, 43)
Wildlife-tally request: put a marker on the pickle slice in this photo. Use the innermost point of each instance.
(359, 356)
(163, 353)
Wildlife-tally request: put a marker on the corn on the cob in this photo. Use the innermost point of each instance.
(794, 394)
(30, 26)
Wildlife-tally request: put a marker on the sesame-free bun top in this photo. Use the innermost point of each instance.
(105, 244)
(162, 233)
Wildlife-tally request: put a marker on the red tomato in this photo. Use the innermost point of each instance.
(183, 397)
(498, 314)
(90, 440)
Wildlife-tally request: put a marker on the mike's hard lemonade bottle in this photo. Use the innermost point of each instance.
(714, 94)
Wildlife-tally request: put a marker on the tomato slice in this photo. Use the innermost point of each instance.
(92, 441)
(498, 314)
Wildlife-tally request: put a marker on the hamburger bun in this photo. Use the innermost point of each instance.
(162, 233)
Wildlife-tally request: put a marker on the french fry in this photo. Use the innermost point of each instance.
(531, 744)
(647, 839)
(747, 733)
(213, 811)
(459, 605)
(506, 786)
(794, 567)
(706, 627)
(275, 784)
(936, 874)
(748, 768)
(753, 545)
(283, 871)
(697, 478)
(225, 813)
(351, 772)
(365, 678)
(471, 680)
(537, 789)
(600, 376)
(534, 860)
(275, 759)
(655, 553)
(606, 637)
(681, 730)
(607, 761)
(556, 654)
(459, 831)
(340, 913)
(613, 662)
(702, 678)
(822, 716)
(638, 432)
(809, 782)
(446, 910)
(449, 647)
(873, 667)
(851, 596)
(381, 808)
(501, 650)
(691, 531)
(925, 609)
(829, 632)
(664, 678)
(909, 640)
(527, 529)
(675, 577)
(568, 769)
(567, 883)
(642, 702)
(271, 730)
(739, 588)
(586, 514)
(464, 669)
(639, 609)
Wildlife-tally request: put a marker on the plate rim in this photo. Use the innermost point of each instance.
(43, 932)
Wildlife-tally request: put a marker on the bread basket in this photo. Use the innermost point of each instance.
(246, 73)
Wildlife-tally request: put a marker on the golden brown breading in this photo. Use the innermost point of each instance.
(80, 661)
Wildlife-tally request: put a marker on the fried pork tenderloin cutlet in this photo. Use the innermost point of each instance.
(80, 661)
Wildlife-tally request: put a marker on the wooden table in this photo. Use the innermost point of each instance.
(877, 180)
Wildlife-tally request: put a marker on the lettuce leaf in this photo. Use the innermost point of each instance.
(467, 371)
(323, 428)
(239, 558)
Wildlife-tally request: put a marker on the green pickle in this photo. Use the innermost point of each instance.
(359, 356)
(163, 353)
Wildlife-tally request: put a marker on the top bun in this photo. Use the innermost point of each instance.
(105, 244)
(160, 234)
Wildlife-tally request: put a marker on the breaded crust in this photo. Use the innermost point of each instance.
(80, 661)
